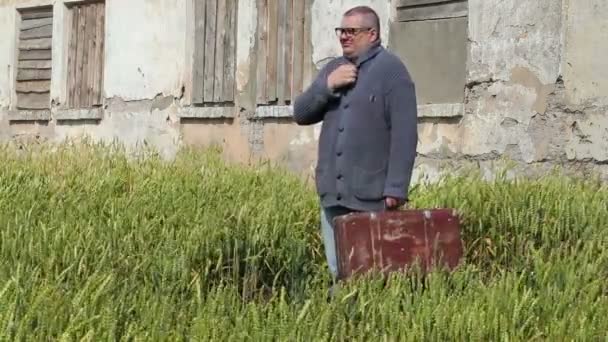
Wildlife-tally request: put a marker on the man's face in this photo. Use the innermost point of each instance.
(355, 35)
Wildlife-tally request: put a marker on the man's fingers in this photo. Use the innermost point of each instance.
(349, 74)
(343, 75)
(392, 203)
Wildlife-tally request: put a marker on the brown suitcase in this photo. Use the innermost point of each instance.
(393, 240)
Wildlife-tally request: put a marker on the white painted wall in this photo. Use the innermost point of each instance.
(7, 55)
(148, 47)
(585, 66)
(509, 38)
(513, 33)
(145, 49)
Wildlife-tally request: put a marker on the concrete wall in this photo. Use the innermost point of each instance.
(530, 92)
(585, 69)
(535, 86)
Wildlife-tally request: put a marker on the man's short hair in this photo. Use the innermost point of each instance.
(369, 13)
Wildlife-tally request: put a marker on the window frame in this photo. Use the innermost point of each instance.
(430, 10)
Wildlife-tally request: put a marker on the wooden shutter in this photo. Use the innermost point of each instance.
(85, 55)
(215, 51)
(35, 58)
(283, 50)
(412, 10)
(430, 36)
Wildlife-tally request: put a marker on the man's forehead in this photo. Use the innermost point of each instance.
(354, 20)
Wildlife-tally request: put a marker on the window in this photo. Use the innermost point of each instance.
(85, 55)
(215, 52)
(283, 50)
(33, 82)
(431, 38)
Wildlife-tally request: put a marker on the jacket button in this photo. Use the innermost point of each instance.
(346, 106)
(341, 129)
(339, 154)
(339, 198)
(339, 177)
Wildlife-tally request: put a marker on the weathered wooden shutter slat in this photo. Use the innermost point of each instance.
(34, 67)
(298, 46)
(229, 68)
(271, 61)
(42, 64)
(308, 69)
(29, 24)
(426, 10)
(34, 100)
(72, 56)
(45, 31)
(35, 55)
(79, 56)
(283, 50)
(210, 24)
(215, 51)
(85, 55)
(37, 14)
(198, 77)
(220, 32)
(33, 74)
(99, 57)
(36, 44)
(41, 86)
(262, 51)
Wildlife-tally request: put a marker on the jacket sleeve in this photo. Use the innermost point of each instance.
(402, 112)
(310, 106)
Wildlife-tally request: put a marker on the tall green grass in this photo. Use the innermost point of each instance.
(97, 245)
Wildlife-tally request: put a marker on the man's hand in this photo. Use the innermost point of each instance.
(344, 75)
(392, 203)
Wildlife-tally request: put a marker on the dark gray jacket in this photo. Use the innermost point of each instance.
(369, 133)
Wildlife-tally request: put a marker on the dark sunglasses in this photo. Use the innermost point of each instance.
(350, 31)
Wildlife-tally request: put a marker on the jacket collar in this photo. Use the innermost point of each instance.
(370, 53)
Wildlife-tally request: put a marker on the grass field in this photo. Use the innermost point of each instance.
(95, 246)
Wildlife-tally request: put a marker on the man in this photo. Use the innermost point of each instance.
(366, 100)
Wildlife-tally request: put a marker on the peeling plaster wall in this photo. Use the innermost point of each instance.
(536, 92)
(585, 67)
(145, 48)
(506, 34)
(151, 123)
(145, 71)
(515, 59)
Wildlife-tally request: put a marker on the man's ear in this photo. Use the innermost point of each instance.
(376, 35)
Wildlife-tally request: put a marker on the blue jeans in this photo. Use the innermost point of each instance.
(327, 230)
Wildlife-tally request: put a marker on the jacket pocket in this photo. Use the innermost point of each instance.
(368, 185)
